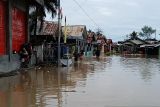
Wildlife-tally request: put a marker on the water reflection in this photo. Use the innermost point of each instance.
(108, 81)
(146, 67)
(42, 87)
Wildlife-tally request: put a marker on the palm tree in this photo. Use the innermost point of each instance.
(38, 12)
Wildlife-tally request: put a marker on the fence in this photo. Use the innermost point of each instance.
(49, 55)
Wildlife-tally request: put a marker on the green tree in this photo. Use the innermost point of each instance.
(133, 35)
(147, 32)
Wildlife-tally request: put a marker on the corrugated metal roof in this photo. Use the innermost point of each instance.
(150, 45)
(128, 43)
(134, 41)
(138, 42)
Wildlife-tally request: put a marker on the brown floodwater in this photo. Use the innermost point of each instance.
(113, 81)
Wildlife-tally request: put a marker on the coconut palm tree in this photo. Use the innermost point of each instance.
(38, 13)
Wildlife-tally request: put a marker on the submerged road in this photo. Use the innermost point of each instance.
(112, 81)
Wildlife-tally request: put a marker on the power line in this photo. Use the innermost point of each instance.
(86, 13)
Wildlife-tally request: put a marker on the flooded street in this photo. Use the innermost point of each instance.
(113, 81)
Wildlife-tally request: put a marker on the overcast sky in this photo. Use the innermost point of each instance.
(116, 18)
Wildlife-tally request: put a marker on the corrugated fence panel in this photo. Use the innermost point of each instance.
(2, 29)
(18, 28)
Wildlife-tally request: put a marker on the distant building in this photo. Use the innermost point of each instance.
(75, 31)
(151, 41)
(76, 35)
(108, 45)
(132, 46)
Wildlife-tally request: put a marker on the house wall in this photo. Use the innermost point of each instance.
(152, 51)
(38, 51)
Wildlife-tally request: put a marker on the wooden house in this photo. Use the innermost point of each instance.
(76, 36)
(132, 46)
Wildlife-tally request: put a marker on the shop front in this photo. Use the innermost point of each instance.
(13, 32)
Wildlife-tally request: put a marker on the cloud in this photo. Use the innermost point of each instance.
(132, 3)
(105, 11)
(115, 17)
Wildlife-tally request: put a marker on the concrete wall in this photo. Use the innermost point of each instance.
(14, 64)
(39, 53)
(7, 66)
(33, 60)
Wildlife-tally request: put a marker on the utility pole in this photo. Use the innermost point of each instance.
(59, 33)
